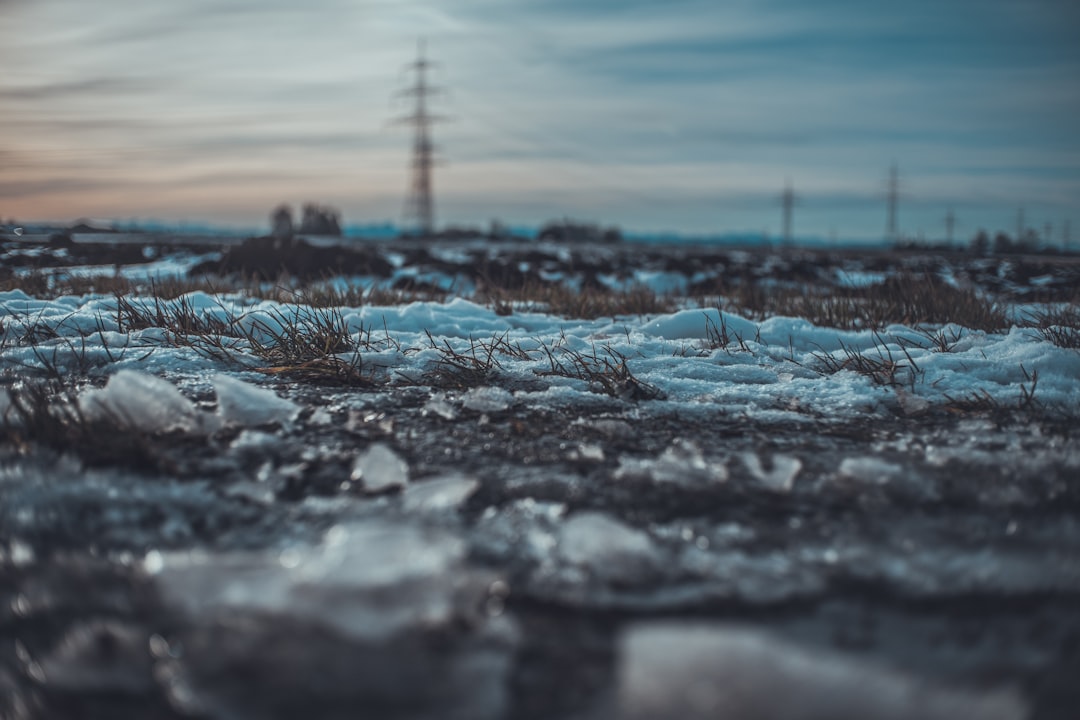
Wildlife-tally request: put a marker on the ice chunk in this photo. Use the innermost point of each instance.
(869, 470)
(487, 399)
(380, 616)
(682, 464)
(141, 401)
(241, 403)
(367, 580)
(780, 477)
(696, 671)
(380, 469)
(100, 657)
(607, 548)
(439, 405)
(443, 493)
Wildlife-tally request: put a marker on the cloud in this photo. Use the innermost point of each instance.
(70, 88)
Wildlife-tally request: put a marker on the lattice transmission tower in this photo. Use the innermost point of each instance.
(420, 205)
(892, 197)
(788, 201)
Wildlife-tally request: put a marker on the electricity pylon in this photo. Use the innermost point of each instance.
(893, 197)
(787, 200)
(420, 205)
(950, 225)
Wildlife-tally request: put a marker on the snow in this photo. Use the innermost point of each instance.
(774, 364)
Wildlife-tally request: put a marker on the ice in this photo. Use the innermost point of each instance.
(447, 492)
(143, 402)
(380, 469)
(244, 404)
(607, 549)
(869, 469)
(380, 615)
(780, 477)
(100, 657)
(698, 671)
(487, 399)
(682, 464)
(368, 580)
(442, 407)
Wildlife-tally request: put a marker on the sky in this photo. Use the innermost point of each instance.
(686, 116)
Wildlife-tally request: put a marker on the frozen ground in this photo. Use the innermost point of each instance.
(456, 511)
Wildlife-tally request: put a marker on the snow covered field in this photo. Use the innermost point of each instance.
(224, 506)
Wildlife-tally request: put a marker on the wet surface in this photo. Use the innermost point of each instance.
(510, 544)
(524, 547)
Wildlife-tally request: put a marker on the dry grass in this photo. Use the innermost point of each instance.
(588, 303)
(48, 415)
(605, 370)
(906, 299)
(881, 364)
(1059, 326)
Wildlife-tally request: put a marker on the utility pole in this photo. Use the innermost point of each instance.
(1020, 225)
(893, 198)
(420, 205)
(787, 200)
(950, 223)
(1065, 239)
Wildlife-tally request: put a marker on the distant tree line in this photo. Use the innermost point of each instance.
(1004, 244)
(315, 220)
(566, 231)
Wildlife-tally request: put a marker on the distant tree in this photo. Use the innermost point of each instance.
(575, 232)
(980, 244)
(320, 220)
(281, 222)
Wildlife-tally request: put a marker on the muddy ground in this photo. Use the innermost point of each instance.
(960, 567)
(942, 547)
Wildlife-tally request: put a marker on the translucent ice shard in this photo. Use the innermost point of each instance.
(696, 671)
(487, 399)
(607, 548)
(380, 469)
(141, 401)
(241, 403)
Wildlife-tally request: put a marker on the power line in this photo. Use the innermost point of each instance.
(420, 204)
